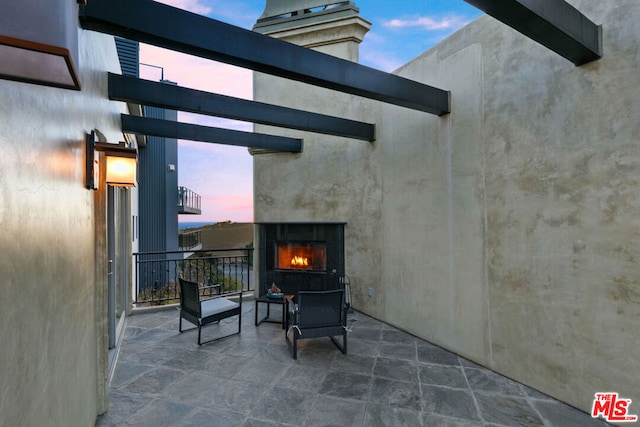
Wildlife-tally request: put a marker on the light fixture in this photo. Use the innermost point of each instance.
(120, 163)
(39, 45)
(37, 63)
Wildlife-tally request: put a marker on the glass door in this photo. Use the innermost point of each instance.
(118, 253)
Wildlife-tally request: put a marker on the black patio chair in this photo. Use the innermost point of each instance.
(317, 314)
(206, 311)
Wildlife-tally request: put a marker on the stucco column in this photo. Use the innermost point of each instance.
(337, 31)
(334, 28)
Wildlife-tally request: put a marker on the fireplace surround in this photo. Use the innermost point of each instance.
(300, 256)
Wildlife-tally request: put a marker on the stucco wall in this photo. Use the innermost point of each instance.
(530, 208)
(562, 211)
(53, 273)
(506, 231)
(433, 212)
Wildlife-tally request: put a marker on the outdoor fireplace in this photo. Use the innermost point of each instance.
(300, 256)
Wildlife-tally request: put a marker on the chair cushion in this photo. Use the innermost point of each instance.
(216, 305)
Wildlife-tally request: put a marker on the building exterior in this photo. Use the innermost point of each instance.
(67, 270)
(505, 231)
(157, 224)
(54, 264)
(159, 193)
(159, 198)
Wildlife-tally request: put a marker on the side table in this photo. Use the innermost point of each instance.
(269, 301)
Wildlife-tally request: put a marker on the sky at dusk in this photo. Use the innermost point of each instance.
(223, 175)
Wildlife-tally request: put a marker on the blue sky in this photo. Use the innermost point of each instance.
(222, 175)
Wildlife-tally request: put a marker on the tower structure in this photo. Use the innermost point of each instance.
(328, 26)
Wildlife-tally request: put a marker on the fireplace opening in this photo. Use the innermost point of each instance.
(301, 256)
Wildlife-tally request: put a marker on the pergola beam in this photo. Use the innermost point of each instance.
(171, 129)
(171, 97)
(176, 29)
(553, 23)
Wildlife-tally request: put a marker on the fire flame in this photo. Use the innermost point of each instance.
(300, 261)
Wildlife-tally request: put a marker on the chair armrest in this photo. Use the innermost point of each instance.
(230, 294)
(212, 287)
(238, 293)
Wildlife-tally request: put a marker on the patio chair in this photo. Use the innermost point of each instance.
(317, 314)
(202, 312)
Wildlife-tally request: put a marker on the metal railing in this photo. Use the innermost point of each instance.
(189, 239)
(157, 273)
(188, 199)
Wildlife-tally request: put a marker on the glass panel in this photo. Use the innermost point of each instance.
(301, 256)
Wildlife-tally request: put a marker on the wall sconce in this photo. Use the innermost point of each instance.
(39, 44)
(120, 163)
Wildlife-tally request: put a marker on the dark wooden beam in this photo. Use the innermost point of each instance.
(171, 97)
(552, 23)
(177, 130)
(176, 29)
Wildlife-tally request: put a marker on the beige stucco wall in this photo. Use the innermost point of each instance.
(335, 179)
(506, 231)
(53, 272)
(433, 214)
(562, 186)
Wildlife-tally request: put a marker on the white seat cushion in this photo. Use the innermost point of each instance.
(216, 305)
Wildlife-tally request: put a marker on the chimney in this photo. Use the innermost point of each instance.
(329, 26)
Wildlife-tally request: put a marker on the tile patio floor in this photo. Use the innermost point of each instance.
(388, 378)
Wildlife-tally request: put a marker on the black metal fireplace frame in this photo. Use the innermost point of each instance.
(293, 281)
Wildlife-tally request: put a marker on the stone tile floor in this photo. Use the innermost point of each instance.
(388, 378)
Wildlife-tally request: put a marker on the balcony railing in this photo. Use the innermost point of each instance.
(188, 202)
(157, 273)
(189, 240)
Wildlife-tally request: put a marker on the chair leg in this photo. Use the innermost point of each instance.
(295, 344)
(286, 327)
(180, 324)
(343, 347)
(201, 327)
